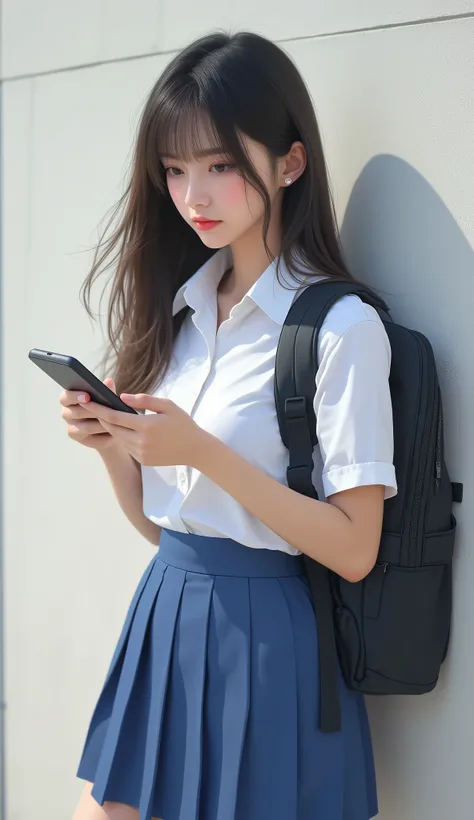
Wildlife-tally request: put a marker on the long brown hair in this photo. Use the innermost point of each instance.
(240, 84)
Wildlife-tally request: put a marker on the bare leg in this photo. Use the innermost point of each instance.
(89, 809)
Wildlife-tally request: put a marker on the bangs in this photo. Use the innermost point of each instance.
(187, 128)
(186, 132)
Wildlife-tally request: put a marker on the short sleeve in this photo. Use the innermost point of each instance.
(353, 404)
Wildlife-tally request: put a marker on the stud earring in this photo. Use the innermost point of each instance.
(288, 181)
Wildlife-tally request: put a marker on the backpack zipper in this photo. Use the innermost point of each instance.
(413, 558)
(438, 449)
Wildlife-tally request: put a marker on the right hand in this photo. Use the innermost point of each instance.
(81, 426)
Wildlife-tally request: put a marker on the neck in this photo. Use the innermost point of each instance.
(250, 259)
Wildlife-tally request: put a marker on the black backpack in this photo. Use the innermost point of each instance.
(390, 630)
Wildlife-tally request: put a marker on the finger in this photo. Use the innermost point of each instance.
(142, 401)
(74, 412)
(116, 417)
(126, 436)
(111, 384)
(69, 397)
(88, 427)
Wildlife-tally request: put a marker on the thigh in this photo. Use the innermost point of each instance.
(89, 809)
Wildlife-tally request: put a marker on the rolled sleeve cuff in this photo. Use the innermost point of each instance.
(361, 475)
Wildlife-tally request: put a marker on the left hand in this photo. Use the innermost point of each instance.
(165, 437)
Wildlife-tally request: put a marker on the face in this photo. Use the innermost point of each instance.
(209, 186)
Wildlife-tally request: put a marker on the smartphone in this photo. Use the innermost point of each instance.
(69, 373)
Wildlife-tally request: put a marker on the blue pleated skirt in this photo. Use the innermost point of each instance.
(209, 710)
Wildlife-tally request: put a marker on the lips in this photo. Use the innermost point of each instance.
(206, 224)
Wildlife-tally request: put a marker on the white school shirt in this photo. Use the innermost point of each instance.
(225, 381)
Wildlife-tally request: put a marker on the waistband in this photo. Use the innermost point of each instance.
(224, 556)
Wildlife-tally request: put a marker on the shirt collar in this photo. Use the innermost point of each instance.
(267, 292)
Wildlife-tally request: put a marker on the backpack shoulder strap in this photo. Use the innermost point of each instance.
(296, 366)
(296, 361)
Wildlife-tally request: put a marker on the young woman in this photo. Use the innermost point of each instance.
(210, 707)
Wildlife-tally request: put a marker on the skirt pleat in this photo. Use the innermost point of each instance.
(133, 662)
(180, 764)
(161, 641)
(273, 716)
(124, 635)
(226, 703)
(317, 784)
(98, 748)
(210, 707)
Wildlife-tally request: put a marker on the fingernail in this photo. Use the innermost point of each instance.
(81, 397)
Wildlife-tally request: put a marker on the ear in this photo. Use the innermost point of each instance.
(292, 165)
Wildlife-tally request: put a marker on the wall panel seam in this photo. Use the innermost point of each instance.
(279, 40)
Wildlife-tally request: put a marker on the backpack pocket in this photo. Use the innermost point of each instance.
(392, 629)
(406, 643)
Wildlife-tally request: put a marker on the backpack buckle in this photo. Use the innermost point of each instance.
(295, 408)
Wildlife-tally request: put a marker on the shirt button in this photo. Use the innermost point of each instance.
(182, 480)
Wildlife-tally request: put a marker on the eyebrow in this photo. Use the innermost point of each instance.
(207, 152)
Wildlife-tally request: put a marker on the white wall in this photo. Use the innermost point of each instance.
(393, 86)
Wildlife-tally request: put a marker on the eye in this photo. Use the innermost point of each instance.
(221, 166)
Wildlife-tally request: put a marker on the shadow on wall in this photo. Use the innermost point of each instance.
(399, 237)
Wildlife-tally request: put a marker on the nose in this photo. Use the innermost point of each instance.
(196, 194)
